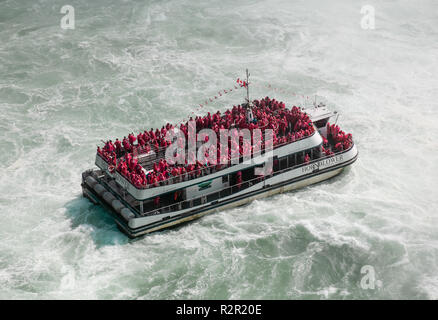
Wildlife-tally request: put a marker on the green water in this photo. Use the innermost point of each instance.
(131, 65)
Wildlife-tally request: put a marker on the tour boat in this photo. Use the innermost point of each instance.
(145, 193)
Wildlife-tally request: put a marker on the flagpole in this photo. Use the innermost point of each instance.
(247, 86)
(249, 115)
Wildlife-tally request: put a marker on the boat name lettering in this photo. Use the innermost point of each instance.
(322, 163)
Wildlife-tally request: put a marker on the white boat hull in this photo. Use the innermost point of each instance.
(291, 179)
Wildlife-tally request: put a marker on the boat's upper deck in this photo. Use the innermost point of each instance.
(141, 159)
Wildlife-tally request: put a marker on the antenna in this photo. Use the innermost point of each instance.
(249, 115)
(247, 86)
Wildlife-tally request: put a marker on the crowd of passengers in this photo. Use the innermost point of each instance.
(268, 113)
(340, 139)
(288, 125)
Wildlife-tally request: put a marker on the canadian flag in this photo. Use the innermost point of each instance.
(242, 83)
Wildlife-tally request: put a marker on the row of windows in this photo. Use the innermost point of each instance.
(278, 164)
(296, 159)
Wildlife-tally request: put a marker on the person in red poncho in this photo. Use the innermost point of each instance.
(157, 201)
(307, 158)
(239, 179)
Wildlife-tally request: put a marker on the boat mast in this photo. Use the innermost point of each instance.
(247, 87)
(249, 115)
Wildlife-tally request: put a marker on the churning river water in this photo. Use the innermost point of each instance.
(130, 65)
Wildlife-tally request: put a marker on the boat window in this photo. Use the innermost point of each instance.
(316, 152)
(276, 164)
(283, 163)
(321, 123)
(225, 179)
(300, 157)
(291, 160)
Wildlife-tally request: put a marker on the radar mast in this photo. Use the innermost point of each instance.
(248, 104)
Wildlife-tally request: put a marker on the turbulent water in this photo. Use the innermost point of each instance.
(131, 65)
